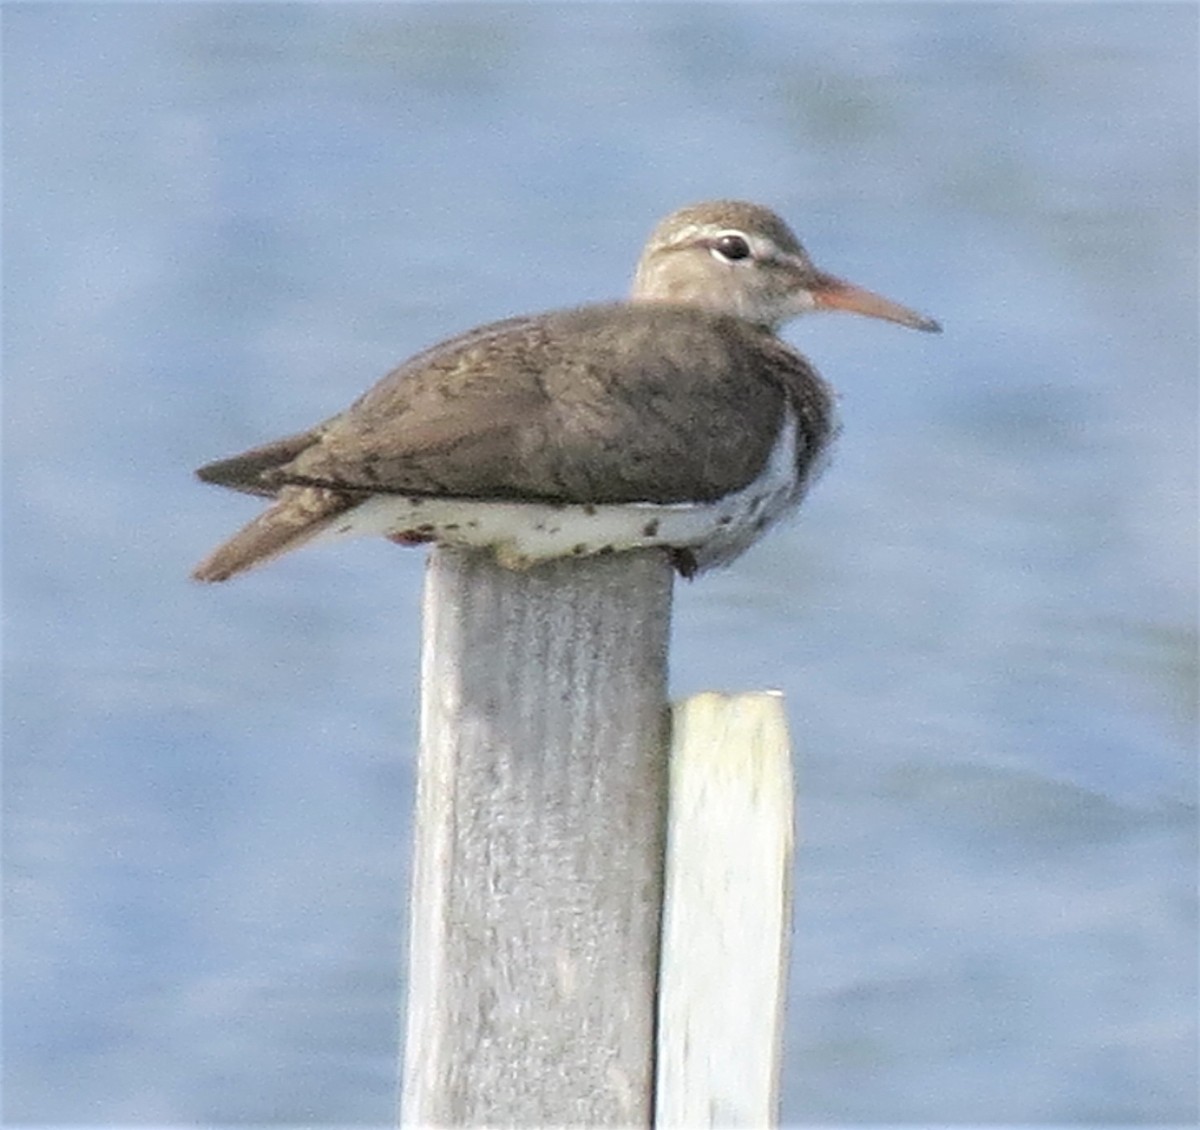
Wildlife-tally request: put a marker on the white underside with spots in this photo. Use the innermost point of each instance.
(524, 533)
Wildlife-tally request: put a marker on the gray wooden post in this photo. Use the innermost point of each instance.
(727, 914)
(537, 885)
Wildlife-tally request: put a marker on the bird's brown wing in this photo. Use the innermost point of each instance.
(601, 404)
(445, 431)
(245, 472)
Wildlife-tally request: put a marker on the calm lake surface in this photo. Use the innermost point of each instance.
(221, 223)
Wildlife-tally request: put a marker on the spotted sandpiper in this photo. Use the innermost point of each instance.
(675, 419)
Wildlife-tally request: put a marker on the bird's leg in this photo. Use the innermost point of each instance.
(410, 537)
(684, 561)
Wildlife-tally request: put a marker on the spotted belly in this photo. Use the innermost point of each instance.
(521, 534)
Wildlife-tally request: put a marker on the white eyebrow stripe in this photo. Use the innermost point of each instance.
(762, 248)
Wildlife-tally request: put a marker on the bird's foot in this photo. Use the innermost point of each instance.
(684, 561)
(410, 537)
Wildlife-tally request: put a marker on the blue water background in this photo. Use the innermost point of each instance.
(222, 222)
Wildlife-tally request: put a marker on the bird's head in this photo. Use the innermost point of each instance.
(742, 259)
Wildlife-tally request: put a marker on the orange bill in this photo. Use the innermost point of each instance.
(832, 293)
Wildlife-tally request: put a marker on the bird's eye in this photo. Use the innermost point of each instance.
(731, 247)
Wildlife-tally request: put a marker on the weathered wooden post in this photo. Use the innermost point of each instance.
(727, 913)
(541, 810)
(537, 969)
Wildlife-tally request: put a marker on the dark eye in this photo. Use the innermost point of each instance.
(731, 247)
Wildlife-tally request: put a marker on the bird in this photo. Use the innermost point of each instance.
(677, 418)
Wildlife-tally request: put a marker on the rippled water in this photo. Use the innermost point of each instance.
(223, 222)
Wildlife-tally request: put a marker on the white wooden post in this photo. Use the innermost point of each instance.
(537, 885)
(727, 913)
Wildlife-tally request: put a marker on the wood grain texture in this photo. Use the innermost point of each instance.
(727, 913)
(537, 881)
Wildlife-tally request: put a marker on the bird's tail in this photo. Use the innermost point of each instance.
(300, 514)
